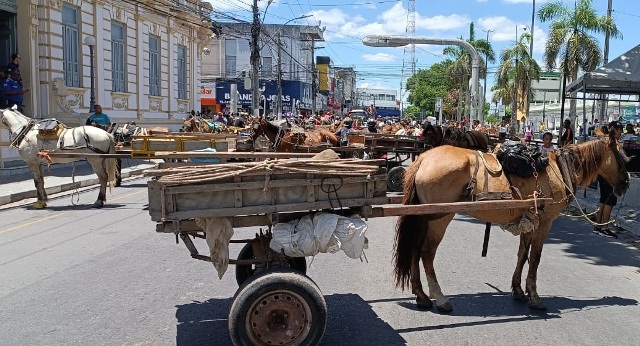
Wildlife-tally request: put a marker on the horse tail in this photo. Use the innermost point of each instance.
(111, 164)
(411, 231)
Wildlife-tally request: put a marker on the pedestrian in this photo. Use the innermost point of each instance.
(13, 91)
(547, 147)
(343, 133)
(220, 118)
(567, 135)
(502, 131)
(607, 199)
(371, 126)
(99, 119)
(14, 65)
(528, 133)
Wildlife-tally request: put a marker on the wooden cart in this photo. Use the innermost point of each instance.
(276, 302)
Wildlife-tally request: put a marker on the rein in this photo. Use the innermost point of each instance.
(21, 134)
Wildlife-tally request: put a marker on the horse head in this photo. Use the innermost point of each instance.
(432, 135)
(614, 169)
(12, 119)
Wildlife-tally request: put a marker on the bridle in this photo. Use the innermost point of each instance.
(20, 134)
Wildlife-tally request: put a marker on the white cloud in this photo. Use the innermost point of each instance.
(523, 1)
(503, 29)
(378, 57)
(376, 85)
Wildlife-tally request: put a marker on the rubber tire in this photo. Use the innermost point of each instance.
(245, 271)
(280, 280)
(394, 179)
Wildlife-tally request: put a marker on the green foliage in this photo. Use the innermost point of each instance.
(412, 112)
(427, 85)
(492, 119)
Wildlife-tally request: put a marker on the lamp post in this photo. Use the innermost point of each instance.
(486, 72)
(399, 41)
(91, 42)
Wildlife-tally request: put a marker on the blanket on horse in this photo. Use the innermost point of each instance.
(520, 159)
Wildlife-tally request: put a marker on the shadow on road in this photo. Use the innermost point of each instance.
(580, 242)
(496, 308)
(351, 321)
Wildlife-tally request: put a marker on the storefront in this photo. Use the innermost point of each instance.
(296, 96)
(208, 99)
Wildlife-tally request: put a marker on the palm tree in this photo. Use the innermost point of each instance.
(571, 41)
(461, 68)
(516, 71)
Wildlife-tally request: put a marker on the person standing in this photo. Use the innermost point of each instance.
(99, 119)
(547, 146)
(567, 135)
(13, 91)
(14, 65)
(502, 131)
(607, 199)
(528, 133)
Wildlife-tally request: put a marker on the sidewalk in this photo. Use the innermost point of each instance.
(17, 184)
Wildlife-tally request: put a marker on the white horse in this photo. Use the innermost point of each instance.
(84, 139)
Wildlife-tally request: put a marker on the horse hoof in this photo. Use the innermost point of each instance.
(537, 305)
(518, 295)
(445, 308)
(425, 304)
(98, 204)
(39, 205)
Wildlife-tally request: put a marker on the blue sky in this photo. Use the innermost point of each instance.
(347, 21)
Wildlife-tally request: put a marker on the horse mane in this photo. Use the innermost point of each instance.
(586, 157)
(271, 127)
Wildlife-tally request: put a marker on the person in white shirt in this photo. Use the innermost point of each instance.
(547, 147)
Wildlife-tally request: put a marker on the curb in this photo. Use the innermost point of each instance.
(19, 196)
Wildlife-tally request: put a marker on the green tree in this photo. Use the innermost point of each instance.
(516, 71)
(412, 112)
(571, 39)
(460, 70)
(427, 85)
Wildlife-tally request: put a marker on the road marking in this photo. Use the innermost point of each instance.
(60, 214)
(33, 222)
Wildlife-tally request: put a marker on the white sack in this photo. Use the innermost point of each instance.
(319, 233)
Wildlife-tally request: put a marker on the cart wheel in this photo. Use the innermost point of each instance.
(245, 271)
(355, 155)
(278, 307)
(394, 179)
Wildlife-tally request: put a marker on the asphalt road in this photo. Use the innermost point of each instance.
(74, 275)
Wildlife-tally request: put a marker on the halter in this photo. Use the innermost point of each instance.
(22, 131)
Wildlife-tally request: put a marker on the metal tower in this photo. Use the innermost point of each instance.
(409, 60)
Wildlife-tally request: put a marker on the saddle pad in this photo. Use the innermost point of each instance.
(51, 134)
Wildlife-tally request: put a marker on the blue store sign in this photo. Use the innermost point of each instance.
(291, 91)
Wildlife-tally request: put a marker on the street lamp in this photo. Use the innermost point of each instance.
(486, 72)
(399, 41)
(91, 42)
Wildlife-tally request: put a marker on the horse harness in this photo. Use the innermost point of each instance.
(486, 195)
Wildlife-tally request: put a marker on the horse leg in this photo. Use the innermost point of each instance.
(38, 180)
(422, 299)
(523, 254)
(538, 238)
(437, 229)
(100, 168)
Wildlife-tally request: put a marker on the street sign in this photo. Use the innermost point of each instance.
(501, 111)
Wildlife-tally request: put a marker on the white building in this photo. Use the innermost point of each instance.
(384, 98)
(147, 58)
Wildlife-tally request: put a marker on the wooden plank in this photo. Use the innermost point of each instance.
(235, 154)
(85, 155)
(262, 209)
(238, 193)
(258, 185)
(456, 207)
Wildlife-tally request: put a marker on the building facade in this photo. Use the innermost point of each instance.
(384, 101)
(146, 62)
(228, 63)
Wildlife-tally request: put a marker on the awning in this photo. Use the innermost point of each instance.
(208, 101)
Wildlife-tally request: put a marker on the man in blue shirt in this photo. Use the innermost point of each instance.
(98, 118)
(12, 90)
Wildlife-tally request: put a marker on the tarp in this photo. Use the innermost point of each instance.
(619, 76)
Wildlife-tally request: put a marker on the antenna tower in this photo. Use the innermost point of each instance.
(409, 60)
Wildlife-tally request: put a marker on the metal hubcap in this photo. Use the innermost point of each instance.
(279, 318)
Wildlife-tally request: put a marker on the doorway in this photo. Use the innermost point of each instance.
(8, 39)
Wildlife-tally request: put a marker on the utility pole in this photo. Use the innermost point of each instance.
(486, 72)
(533, 21)
(279, 102)
(603, 103)
(313, 76)
(255, 61)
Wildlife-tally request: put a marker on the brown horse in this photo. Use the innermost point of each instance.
(436, 135)
(286, 140)
(203, 125)
(444, 173)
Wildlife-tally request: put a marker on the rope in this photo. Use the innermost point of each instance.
(201, 175)
(486, 164)
(76, 191)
